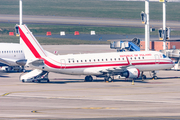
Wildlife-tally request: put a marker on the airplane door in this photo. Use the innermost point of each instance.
(156, 59)
(63, 64)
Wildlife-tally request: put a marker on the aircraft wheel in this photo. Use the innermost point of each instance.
(88, 79)
(47, 80)
(143, 77)
(23, 80)
(155, 77)
(110, 79)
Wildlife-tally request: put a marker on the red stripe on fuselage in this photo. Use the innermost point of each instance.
(51, 65)
(28, 43)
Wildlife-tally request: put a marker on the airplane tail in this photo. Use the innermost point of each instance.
(31, 46)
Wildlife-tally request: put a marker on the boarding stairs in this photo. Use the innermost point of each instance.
(35, 75)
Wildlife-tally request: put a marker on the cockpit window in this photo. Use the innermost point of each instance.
(164, 56)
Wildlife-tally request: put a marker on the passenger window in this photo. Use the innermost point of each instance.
(77, 61)
(119, 59)
(122, 58)
(102, 59)
(106, 59)
(142, 57)
(81, 60)
(115, 59)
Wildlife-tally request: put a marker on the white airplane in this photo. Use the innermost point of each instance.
(107, 65)
(12, 56)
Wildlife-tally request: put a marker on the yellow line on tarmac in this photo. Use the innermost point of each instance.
(6, 94)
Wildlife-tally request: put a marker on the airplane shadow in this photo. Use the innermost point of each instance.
(66, 81)
(4, 76)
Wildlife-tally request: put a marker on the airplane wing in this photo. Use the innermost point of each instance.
(115, 69)
(13, 62)
(118, 69)
(7, 61)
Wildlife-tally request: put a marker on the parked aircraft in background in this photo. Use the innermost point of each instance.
(12, 56)
(107, 65)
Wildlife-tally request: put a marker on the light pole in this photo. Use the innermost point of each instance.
(147, 35)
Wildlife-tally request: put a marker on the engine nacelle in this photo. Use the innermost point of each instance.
(131, 73)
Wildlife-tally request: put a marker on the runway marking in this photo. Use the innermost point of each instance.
(6, 94)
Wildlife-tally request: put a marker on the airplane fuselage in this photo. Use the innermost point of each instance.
(94, 64)
(10, 53)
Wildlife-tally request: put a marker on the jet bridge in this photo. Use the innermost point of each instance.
(175, 55)
(123, 46)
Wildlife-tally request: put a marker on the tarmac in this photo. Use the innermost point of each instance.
(69, 97)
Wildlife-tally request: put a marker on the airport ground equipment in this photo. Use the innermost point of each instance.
(173, 54)
(123, 46)
(36, 75)
(13, 68)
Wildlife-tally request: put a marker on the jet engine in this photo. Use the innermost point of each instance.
(131, 73)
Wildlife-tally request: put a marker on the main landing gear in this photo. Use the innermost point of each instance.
(106, 78)
(143, 76)
(109, 78)
(88, 78)
(154, 75)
